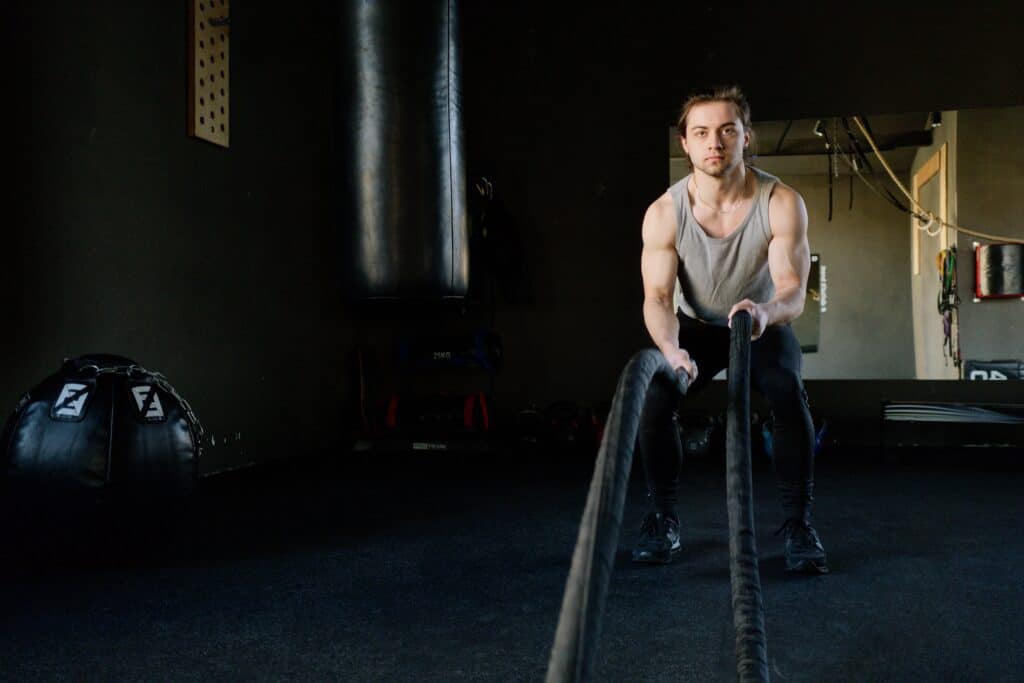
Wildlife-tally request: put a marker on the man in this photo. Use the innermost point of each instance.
(735, 239)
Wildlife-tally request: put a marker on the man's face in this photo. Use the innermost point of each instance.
(715, 138)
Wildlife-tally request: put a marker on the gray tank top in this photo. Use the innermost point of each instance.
(715, 273)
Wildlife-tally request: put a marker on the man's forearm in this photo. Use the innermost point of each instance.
(787, 305)
(662, 324)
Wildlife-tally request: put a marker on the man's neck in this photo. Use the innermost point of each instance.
(726, 188)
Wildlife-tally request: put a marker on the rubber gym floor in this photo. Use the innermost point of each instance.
(437, 567)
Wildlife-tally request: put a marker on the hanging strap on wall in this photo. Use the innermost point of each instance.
(830, 148)
(948, 305)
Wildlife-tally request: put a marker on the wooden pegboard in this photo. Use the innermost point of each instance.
(209, 77)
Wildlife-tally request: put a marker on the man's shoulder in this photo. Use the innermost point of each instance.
(660, 221)
(787, 212)
(784, 198)
(662, 209)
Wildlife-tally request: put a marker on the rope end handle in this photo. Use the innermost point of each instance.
(682, 380)
(741, 323)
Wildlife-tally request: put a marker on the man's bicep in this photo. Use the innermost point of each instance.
(658, 261)
(789, 257)
(789, 262)
(658, 267)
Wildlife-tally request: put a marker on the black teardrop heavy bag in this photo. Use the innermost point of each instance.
(399, 160)
(102, 421)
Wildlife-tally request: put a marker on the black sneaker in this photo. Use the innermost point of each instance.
(659, 539)
(804, 552)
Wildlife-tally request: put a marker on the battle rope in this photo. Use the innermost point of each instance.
(747, 607)
(579, 623)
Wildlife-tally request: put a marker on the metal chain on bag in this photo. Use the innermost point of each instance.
(131, 371)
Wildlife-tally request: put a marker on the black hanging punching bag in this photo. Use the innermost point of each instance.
(398, 142)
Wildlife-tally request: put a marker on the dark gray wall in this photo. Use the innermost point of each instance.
(865, 332)
(991, 181)
(562, 110)
(211, 265)
(796, 60)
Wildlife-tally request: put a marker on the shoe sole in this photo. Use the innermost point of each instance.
(807, 567)
(657, 559)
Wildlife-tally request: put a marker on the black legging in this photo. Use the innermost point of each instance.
(775, 363)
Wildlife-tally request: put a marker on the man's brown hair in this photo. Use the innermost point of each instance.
(722, 93)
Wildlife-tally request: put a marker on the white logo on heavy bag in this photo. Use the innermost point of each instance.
(71, 401)
(148, 402)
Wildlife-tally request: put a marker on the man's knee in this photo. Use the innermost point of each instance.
(662, 401)
(783, 389)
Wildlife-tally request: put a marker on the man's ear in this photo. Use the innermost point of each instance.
(682, 143)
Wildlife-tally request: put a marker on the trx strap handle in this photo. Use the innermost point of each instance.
(747, 606)
(579, 623)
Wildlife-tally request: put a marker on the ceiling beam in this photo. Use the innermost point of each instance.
(813, 146)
